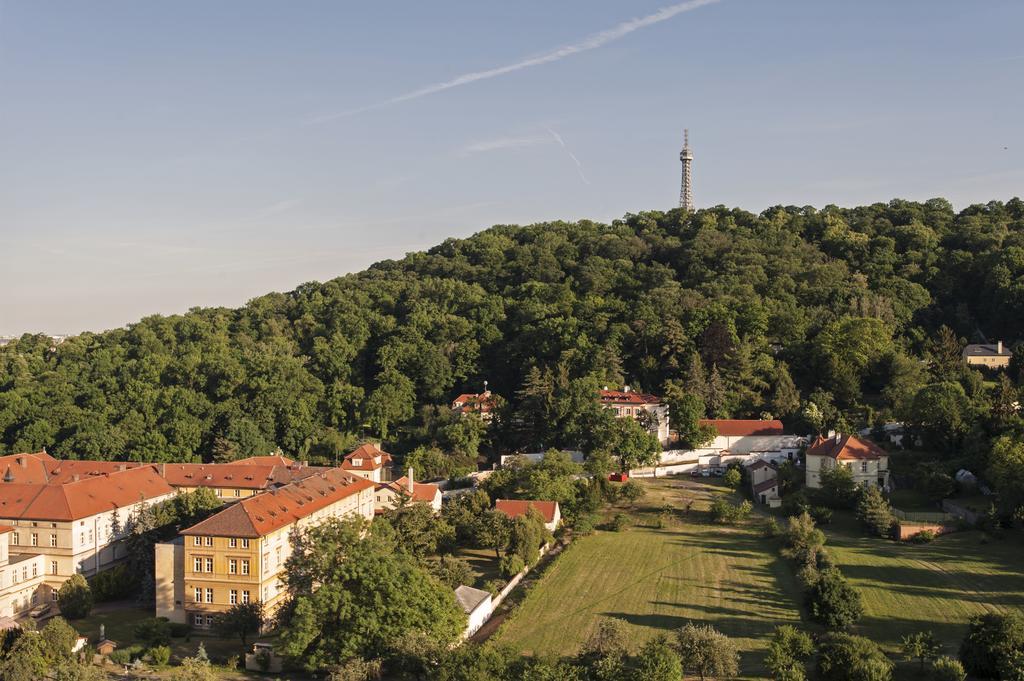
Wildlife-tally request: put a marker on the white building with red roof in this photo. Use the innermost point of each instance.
(482, 404)
(388, 495)
(368, 461)
(866, 461)
(628, 403)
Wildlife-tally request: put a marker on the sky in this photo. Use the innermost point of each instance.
(158, 156)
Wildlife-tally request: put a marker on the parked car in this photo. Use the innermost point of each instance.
(695, 473)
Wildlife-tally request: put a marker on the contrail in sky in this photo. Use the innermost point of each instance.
(591, 42)
(561, 143)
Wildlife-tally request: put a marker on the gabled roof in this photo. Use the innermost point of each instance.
(480, 403)
(744, 427)
(469, 598)
(626, 397)
(766, 485)
(514, 508)
(264, 513)
(759, 464)
(365, 455)
(421, 491)
(845, 447)
(83, 498)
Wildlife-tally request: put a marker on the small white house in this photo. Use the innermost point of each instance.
(549, 510)
(477, 605)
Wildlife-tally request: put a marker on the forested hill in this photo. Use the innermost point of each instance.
(722, 303)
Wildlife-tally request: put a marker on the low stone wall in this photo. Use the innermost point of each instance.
(514, 582)
(908, 529)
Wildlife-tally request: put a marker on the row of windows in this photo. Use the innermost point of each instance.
(33, 540)
(205, 564)
(24, 574)
(208, 541)
(206, 596)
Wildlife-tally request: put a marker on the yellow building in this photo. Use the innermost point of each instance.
(238, 555)
(988, 355)
(866, 461)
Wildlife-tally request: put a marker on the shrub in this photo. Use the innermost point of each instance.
(619, 522)
(160, 655)
(75, 598)
(116, 583)
(494, 586)
(770, 529)
(127, 655)
(632, 491)
(788, 650)
(923, 537)
(874, 512)
(821, 514)
(948, 669)
(733, 478)
(722, 511)
(511, 565)
(842, 657)
(706, 651)
(153, 631)
(990, 641)
(453, 571)
(180, 629)
(833, 602)
(584, 525)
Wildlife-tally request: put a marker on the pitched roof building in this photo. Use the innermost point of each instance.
(481, 404)
(627, 403)
(549, 510)
(867, 462)
(988, 355)
(367, 461)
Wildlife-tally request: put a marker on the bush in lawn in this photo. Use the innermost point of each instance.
(821, 514)
(160, 655)
(632, 491)
(733, 478)
(795, 504)
(874, 512)
(803, 540)
(948, 669)
(511, 565)
(75, 598)
(842, 657)
(657, 661)
(923, 537)
(722, 511)
(991, 640)
(153, 631)
(833, 602)
(770, 529)
(619, 522)
(584, 525)
(125, 656)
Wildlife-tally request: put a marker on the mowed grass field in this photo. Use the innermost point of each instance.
(732, 578)
(656, 579)
(932, 587)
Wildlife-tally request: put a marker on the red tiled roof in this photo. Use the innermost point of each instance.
(845, 447)
(744, 427)
(270, 460)
(514, 508)
(4, 529)
(481, 403)
(82, 498)
(259, 515)
(626, 397)
(365, 454)
(234, 475)
(421, 491)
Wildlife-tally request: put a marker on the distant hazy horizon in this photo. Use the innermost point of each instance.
(158, 157)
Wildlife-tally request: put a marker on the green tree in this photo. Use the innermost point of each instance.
(494, 531)
(733, 478)
(634, 444)
(453, 571)
(874, 512)
(833, 602)
(922, 646)
(419, 531)
(707, 652)
(803, 541)
(838, 489)
(787, 653)
(842, 657)
(1006, 472)
(632, 491)
(353, 593)
(786, 397)
(686, 409)
(241, 620)
(991, 640)
(656, 661)
(75, 598)
(942, 413)
(193, 669)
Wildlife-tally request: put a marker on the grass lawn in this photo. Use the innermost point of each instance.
(484, 564)
(657, 579)
(912, 500)
(908, 588)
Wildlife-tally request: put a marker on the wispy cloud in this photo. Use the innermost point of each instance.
(591, 42)
(561, 143)
(501, 143)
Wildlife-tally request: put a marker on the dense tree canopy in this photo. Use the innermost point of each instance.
(827, 310)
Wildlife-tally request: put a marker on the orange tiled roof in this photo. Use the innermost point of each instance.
(82, 498)
(481, 403)
(234, 475)
(627, 397)
(365, 454)
(421, 491)
(744, 427)
(845, 447)
(514, 508)
(269, 460)
(259, 515)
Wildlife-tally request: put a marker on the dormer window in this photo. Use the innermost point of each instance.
(357, 462)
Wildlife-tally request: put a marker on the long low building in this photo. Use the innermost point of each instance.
(238, 554)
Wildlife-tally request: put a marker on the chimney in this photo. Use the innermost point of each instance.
(999, 347)
(625, 388)
(75, 477)
(409, 481)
